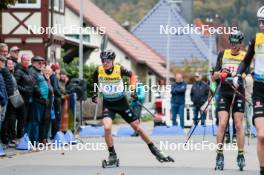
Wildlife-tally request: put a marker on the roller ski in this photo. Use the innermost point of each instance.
(112, 161)
(160, 156)
(219, 161)
(241, 161)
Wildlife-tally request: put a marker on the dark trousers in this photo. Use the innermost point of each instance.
(28, 118)
(177, 109)
(55, 123)
(13, 124)
(196, 112)
(37, 125)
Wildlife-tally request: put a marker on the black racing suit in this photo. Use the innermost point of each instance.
(258, 86)
(227, 93)
(120, 106)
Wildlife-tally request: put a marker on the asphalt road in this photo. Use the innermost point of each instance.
(135, 159)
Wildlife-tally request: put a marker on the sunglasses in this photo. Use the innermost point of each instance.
(261, 21)
(106, 61)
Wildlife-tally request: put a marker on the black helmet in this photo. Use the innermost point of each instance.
(108, 54)
(236, 37)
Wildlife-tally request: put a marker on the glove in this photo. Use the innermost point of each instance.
(237, 81)
(223, 75)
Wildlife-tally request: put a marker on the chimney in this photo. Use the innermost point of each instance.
(126, 25)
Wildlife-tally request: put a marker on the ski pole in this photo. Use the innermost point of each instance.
(238, 93)
(245, 99)
(140, 104)
(209, 101)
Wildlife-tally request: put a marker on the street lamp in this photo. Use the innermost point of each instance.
(210, 49)
(170, 2)
(165, 101)
(81, 42)
(81, 54)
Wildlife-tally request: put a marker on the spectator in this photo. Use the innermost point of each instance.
(8, 81)
(3, 93)
(3, 50)
(178, 90)
(4, 71)
(47, 71)
(13, 55)
(40, 97)
(199, 95)
(139, 98)
(64, 79)
(3, 98)
(25, 85)
(12, 114)
(55, 78)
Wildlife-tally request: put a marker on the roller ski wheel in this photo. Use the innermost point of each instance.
(112, 161)
(160, 156)
(219, 162)
(241, 162)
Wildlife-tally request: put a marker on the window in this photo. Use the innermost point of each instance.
(62, 6)
(27, 4)
(58, 5)
(27, 1)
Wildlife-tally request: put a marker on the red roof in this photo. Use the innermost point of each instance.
(133, 47)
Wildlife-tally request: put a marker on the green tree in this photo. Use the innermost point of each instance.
(242, 11)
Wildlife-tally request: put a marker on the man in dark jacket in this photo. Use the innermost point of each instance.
(54, 79)
(40, 97)
(3, 93)
(178, 90)
(8, 81)
(199, 95)
(25, 86)
(5, 73)
(3, 98)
